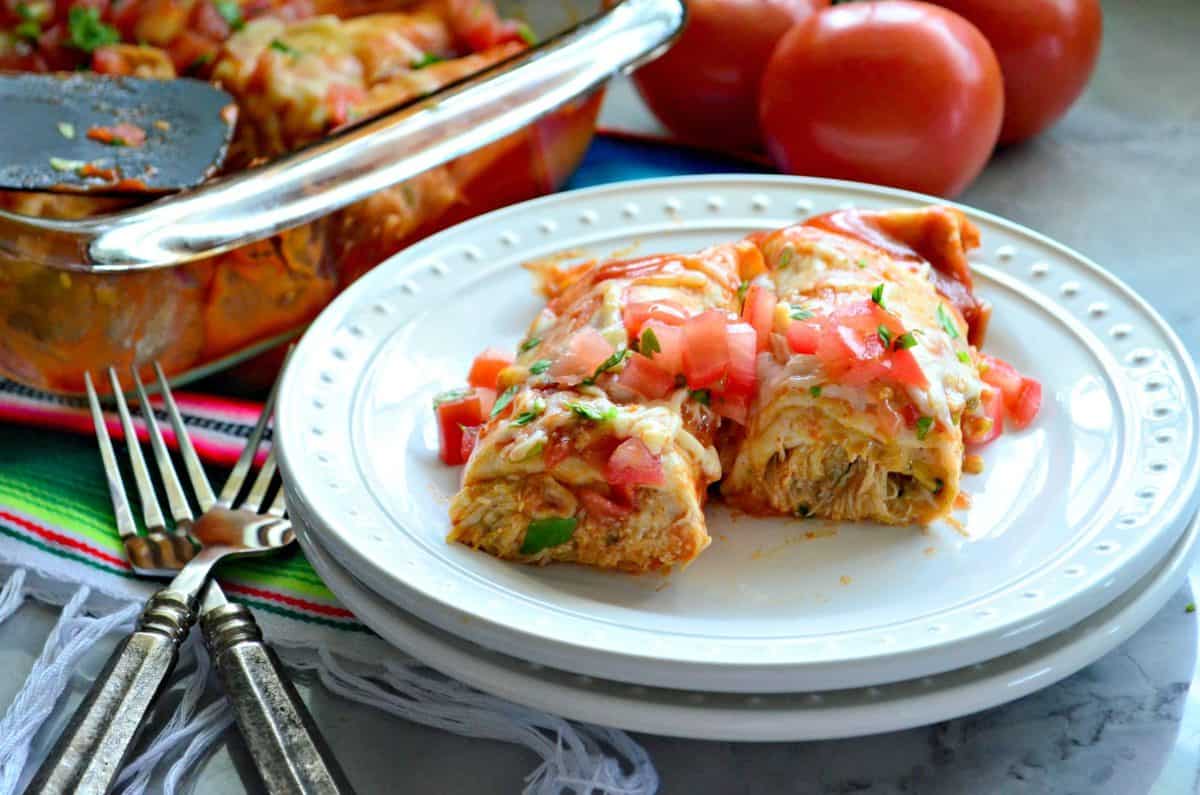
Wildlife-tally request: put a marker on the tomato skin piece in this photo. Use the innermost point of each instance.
(892, 92)
(485, 370)
(453, 416)
(637, 313)
(669, 356)
(705, 349)
(1047, 50)
(586, 350)
(903, 368)
(644, 377)
(759, 311)
(705, 88)
(742, 375)
(1027, 403)
(596, 504)
(993, 407)
(632, 464)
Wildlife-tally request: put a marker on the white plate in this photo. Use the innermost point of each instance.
(768, 717)
(1067, 515)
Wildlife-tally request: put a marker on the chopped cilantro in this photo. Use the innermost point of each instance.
(885, 336)
(426, 59)
(200, 60)
(30, 30)
(1191, 607)
(964, 357)
(279, 46)
(877, 296)
(29, 14)
(742, 288)
(549, 532)
(938, 485)
(649, 344)
(785, 256)
(449, 396)
(947, 322)
(799, 313)
(526, 33)
(66, 130)
(923, 426)
(231, 12)
(815, 391)
(701, 396)
(906, 341)
(86, 32)
(539, 367)
(530, 344)
(862, 263)
(505, 398)
(590, 412)
(535, 411)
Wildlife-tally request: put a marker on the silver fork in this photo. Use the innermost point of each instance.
(287, 748)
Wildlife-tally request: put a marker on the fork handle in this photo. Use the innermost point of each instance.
(93, 748)
(291, 755)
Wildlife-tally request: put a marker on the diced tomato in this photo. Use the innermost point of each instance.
(1001, 375)
(644, 377)
(109, 61)
(803, 336)
(470, 435)
(632, 464)
(705, 349)
(905, 370)
(596, 504)
(191, 52)
(669, 356)
(734, 407)
(208, 22)
(340, 99)
(979, 432)
(123, 134)
(453, 416)
(637, 313)
(487, 399)
(586, 350)
(1028, 402)
(759, 311)
(485, 370)
(741, 377)
(559, 449)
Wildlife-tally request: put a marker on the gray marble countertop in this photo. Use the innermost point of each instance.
(1118, 179)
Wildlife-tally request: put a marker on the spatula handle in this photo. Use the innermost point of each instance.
(291, 755)
(93, 748)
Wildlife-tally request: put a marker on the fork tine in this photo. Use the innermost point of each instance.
(151, 513)
(256, 498)
(116, 489)
(279, 504)
(176, 498)
(237, 476)
(191, 461)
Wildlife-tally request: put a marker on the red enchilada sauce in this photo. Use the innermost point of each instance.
(922, 236)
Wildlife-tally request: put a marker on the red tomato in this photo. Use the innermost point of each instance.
(741, 377)
(803, 337)
(734, 407)
(453, 416)
(1046, 49)
(110, 61)
(190, 52)
(894, 92)
(903, 368)
(340, 99)
(1027, 403)
(759, 311)
(470, 435)
(586, 351)
(596, 504)
(976, 432)
(644, 377)
(208, 22)
(705, 349)
(669, 356)
(123, 134)
(1001, 375)
(632, 464)
(637, 313)
(853, 352)
(560, 448)
(705, 88)
(485, 370)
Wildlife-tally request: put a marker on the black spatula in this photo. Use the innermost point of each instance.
(88, 133)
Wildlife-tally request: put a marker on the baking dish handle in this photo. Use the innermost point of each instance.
(354, 163)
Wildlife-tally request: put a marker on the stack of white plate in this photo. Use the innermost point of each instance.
(1080, 526)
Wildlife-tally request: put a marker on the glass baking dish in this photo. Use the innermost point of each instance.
(217, 276)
